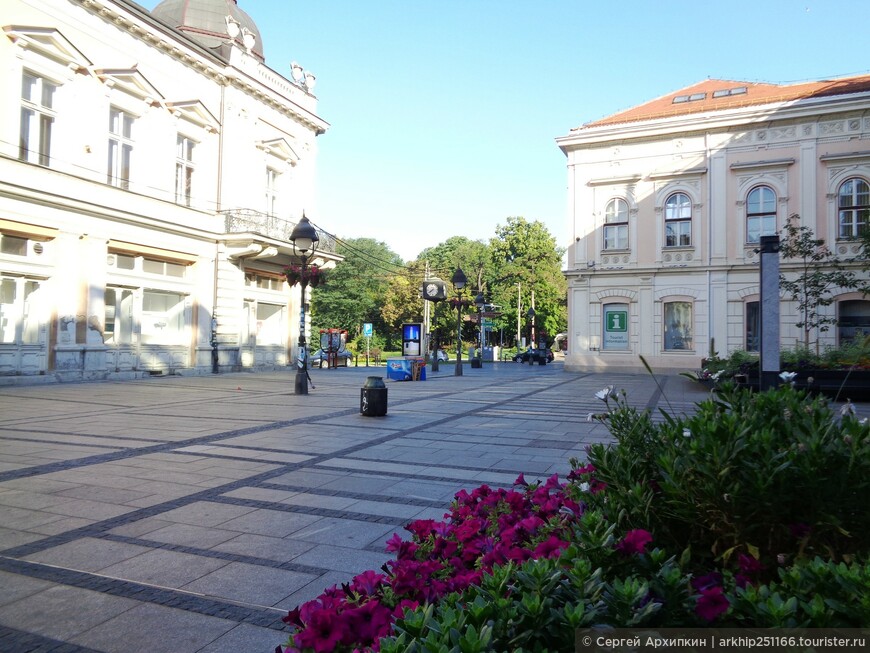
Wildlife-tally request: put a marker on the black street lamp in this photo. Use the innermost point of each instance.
(531, 317)
(480, 302)
(459, 280)
(305, 240)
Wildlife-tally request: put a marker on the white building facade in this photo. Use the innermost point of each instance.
(151, 170)
(668, 201)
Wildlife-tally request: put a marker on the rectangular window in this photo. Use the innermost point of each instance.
(13, 245)
(120, 148)
(184, 169)
(163, 268)
(37, 119)
(270, 324)
(616, 236)
(119, 316)
(272, 191)
(19, 311)
(615, 327)
(678, 325)
(162, 317)
(678, 233)
(753, 326)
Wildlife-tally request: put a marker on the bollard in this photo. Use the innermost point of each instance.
(373, 397)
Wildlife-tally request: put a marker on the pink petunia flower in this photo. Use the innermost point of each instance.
(711, 604)
(634, 542)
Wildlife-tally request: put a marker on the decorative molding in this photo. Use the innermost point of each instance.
(674, 174)
(615, 181)
(50, 43)
(676, 292)
(848, 156)
(770, 163)
(622, 293)
(828, 128)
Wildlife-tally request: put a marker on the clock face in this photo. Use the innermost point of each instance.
(431, 289)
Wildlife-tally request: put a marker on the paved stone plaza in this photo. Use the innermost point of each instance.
(187, 515)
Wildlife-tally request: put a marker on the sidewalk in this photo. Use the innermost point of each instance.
(188, 514)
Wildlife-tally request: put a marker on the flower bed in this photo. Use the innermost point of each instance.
(751, 512)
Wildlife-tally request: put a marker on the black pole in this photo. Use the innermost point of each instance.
(458, 370)
(300, 384)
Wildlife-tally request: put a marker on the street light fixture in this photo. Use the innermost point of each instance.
(459, 281)
(305, 240)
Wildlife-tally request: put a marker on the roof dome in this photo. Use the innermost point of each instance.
(204, 21)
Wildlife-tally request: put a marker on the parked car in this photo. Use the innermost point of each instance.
(441, 354)
(534, 356)
(320, 357)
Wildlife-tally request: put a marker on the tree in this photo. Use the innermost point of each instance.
(354, 291)
(525, 253)
(402, 302)
(812, 274)
(473, 257)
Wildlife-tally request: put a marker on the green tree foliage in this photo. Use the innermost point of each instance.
(811, 274)
(402, 302)
(355, 289)
(526, 253)
(473, 257)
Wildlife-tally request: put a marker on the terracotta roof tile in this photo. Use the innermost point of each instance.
(717, 94)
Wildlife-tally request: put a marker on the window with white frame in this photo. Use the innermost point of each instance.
(760, 213)
(272, 191)
(616, 224)
(120, 148)
(270, 324)
(678, 221)
(37, 119)
(678, 325)
(853, 202)
(19, 317)
(753, 326)
(184, 169)
(162, 317)
(119, 316)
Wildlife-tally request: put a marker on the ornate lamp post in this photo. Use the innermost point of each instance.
(305, 240)
(459, 280)
(531, 317)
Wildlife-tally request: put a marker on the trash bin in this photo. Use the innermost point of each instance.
(373, 397)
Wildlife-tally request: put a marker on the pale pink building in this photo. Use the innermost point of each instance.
(668, 201)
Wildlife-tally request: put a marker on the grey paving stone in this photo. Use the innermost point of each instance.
(61, 612)
(246, 638)
(342, 559)
(11, 538)
(205, 513)
(250, 584)
(167, 630)
(164, 568)
(270, 522)
(16, 587)
(190, 535)
(343, 532)
(262, 546)
(87, 554)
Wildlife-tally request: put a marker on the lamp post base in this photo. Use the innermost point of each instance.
(458, 370)
(300, 383)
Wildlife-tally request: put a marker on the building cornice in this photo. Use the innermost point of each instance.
(138, 22)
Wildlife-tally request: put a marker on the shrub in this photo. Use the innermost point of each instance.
(773, 475)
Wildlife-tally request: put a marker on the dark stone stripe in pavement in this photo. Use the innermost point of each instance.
(18, 641)
(217, 555)
(311, 510)
(263, 617)
(98, 528)
(362, 496)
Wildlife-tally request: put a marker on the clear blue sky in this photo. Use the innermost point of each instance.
(444, 113)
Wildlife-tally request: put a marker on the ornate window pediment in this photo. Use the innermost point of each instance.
(194, 111)
(280, 148)
(48, 42)
(130, 81)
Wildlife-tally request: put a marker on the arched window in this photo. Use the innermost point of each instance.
(678, 221)
(616, 224)
(678, 323)
(853, 203)
(760, 213)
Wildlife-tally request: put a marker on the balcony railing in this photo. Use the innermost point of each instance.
(251, 221)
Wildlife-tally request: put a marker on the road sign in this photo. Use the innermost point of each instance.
(367, 329)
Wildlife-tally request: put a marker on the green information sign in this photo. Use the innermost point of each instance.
(617, 321)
